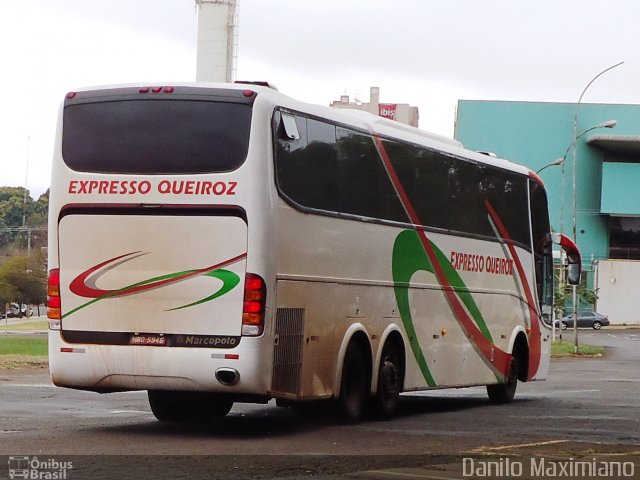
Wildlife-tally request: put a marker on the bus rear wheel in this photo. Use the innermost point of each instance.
(505, 392)
(389, 382)
(170, 406)
(353, 386)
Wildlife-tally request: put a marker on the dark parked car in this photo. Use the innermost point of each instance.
(585, 320)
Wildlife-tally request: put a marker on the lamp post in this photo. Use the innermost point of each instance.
(561, 161)
(574, 144)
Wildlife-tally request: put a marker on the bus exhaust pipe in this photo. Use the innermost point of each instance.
(227, 376)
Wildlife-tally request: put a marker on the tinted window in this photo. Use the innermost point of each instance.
(539, 216)
(307, 167)
(333, 169)
(455, 194)
(424, 175)
(507, 194)
(463, 199)
(337, 169)
(365, 188)
(541, 246)
(155, 136)
(624, 238)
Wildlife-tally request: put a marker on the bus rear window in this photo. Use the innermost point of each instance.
(155, 136)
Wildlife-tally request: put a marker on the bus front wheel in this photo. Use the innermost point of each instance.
(353, 386)
(505, 392)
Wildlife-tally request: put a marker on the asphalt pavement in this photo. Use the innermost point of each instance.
(586, 410)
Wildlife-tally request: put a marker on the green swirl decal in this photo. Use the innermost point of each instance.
(229, 281)
(82, 285)
(409, 257)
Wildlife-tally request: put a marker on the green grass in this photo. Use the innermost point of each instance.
(23, 352)
(30, 346)
(19, 327)
(566, 349)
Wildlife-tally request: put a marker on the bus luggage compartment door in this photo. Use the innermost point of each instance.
(152, 274)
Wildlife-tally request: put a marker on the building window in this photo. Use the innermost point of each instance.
(624, 238)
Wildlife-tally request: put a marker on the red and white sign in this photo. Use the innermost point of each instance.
(387, 110)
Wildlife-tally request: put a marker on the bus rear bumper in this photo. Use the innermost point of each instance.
(242, 370)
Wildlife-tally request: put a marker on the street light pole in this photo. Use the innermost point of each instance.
(562, 161)
(575, 236)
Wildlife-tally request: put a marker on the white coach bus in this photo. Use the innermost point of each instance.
(225, 243)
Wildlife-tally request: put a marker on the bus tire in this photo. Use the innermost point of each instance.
(353, 386)
(165, 405)
(389, 382)
(501, 393)
(169, 406)
(218, 407)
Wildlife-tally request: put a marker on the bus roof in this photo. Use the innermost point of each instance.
(356, 118)
(385, 127)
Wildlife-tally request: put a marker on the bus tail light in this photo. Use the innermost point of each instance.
(53, 299)
(255, 293)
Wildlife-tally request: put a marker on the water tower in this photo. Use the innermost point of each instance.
(217, 40)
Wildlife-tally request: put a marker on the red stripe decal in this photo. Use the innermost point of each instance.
(534, 336)
(497, 359)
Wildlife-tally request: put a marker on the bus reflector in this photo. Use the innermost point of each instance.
(53, 299)
(254, 305)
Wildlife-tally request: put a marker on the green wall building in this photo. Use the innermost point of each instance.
(607, 192)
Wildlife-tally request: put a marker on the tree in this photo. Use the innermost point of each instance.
(15, 203)
(7, 293)
(39, 211)
(563, 293)
(17, 209)
(24, 280)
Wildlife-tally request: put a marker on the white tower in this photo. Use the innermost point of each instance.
(217, 40)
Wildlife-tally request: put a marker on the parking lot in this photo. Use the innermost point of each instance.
(588, 406)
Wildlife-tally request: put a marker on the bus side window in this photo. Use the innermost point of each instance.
(542, 250)
(289, 153)
(307, 165)
(507, 195)
(463, 196)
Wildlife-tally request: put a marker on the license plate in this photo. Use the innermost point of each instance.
(148, 339)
